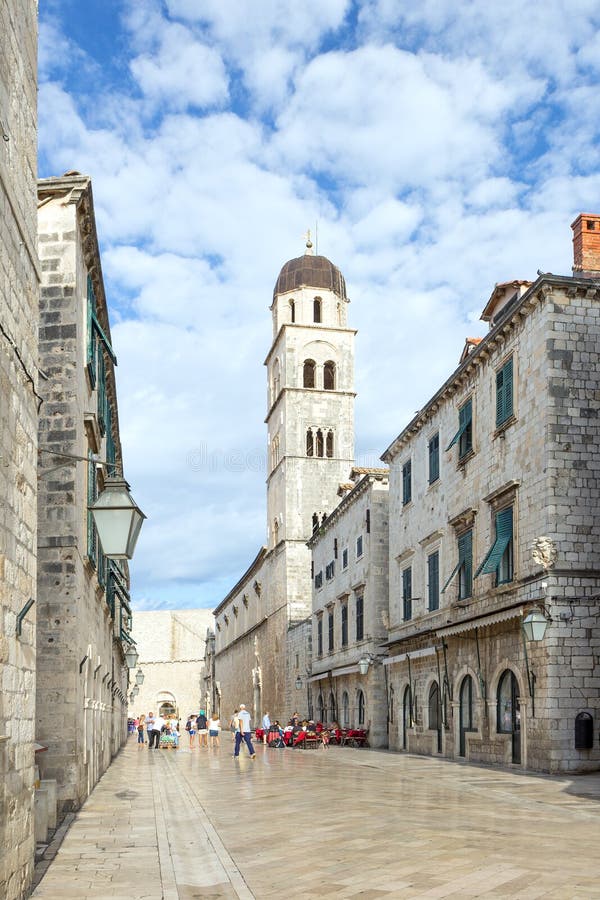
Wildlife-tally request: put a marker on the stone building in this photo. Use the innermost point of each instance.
(19, 292)
(83, 612)
(171, 646)
(350, 607)
(310, 435)
(494, 512)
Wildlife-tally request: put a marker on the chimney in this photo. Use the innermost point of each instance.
(586, 246)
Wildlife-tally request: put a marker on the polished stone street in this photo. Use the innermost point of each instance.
(336, 823)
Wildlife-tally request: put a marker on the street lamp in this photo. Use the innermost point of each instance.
(131, 657)
(534, 625)
(363, 665)
(139, 677)
(118, 519)
(298, 683)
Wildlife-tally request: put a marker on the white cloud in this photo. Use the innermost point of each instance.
(181, 71)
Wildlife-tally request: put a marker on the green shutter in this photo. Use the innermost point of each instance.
(92, 539)
(504, 532)
(433, 566)
(465, 555)
(464, 420)
(504, 393)
(91, 335)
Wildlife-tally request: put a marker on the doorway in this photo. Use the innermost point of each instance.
(465, 723)
(509, 712)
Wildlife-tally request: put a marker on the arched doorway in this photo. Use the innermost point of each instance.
(345, 710)
(435, 718)
(167, 710)
(465, 718)
(509, 712)
(360, 704)
(406, 716)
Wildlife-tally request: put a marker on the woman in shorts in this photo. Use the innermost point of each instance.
(214, 727)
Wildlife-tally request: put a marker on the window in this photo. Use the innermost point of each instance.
(504, 393)
(508, 705)
(320, 636)
(276, 531)
(434, 707)
(330, 631)
(319, 580)
(344, 624)
(359, 546)
(499, 558)
(406, 482)
(360, 702)
(360, 629)
(292, 311)
(332, 708)
(464, 435)
(319, 443)
(434, 458)
(309, 373)
(317, 309)
(368, 522)
(433, 580)
(335, 548)
(329, 376)
(315, 522)
(464, 566)
(276, 380)
(310, 443)
(330, 571)
(345, 710)
(407, 593)
(329, 445)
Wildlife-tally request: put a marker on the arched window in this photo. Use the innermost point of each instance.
(329, 445)
(292, 311)
(391, 707)
(319, 443)
(345, 710)
(320, 708)
(509, 711)
(332, 711)
(360, 703)
(167, 710)
(276, 380)
(275, 532)
(317, 309)
(315, 522)
(309, 373)
(329, 376)
(310, 445)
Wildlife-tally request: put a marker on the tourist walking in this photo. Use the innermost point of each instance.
(233, 724)
(266, 724)
(154, 736)
(214, 727)
(202, 727)
(243, 732)
(149, 728)
(140, 729)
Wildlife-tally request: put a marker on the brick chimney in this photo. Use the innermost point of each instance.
(586, 246)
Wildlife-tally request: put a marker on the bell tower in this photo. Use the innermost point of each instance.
(310, 403)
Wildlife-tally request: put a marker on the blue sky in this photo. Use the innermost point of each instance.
(441, 147)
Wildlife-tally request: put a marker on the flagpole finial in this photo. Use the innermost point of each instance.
(309, 245)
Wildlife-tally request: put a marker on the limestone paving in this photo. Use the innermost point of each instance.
(337, 823)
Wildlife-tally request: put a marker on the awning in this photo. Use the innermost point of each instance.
(335, 673)
(415, 654)
(502, 616)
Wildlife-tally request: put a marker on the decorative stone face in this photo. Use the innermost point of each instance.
(544, 552)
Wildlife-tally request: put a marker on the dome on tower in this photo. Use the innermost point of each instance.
(311, 272)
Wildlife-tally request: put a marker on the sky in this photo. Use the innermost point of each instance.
(437, 148)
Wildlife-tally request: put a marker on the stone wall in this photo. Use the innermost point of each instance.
(18, 438)
(82, 677)
(170, 644)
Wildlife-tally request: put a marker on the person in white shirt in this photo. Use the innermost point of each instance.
(243, 732)
(266, 724)
(214, 727)
(154, 735)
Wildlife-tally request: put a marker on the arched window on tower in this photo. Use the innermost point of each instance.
(329, 375)
(292, 311)
(329, 445)
(317, 309)
(276, 380)
(309, 373)
(320, 447)
(310, 444)
(275, 532)
(315, 522)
